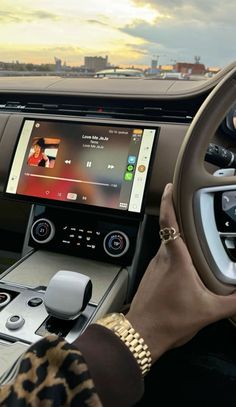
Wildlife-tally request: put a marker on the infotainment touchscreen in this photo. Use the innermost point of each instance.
(102, 165)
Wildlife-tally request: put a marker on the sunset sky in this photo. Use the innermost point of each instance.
(128, 31)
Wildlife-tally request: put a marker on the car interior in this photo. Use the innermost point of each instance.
(88, 199)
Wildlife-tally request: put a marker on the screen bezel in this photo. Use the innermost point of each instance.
(78, 206)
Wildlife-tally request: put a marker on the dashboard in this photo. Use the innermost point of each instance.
(100, 109)
(110, 147)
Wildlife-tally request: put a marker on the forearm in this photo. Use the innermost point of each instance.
(98, 366)
(115, 372)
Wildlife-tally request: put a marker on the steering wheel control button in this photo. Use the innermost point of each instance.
(42, 231)
(15, 322)
(5, 298)
(116, 243)
(35, 302)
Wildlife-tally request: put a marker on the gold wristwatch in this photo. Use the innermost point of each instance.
(117, 323)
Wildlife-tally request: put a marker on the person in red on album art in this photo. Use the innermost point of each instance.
(38, 156)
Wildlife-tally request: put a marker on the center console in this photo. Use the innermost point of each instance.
(87, 183)
(79, 233)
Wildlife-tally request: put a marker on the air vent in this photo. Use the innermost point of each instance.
(148, 113)
(129, 109)
(11, 105)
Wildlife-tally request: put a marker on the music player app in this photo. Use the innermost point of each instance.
(82, 163)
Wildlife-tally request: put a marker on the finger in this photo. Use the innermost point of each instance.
(167, 212)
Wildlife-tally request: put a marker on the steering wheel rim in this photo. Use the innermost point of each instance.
(194, 190)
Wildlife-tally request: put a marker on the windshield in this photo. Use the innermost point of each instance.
(176, 39)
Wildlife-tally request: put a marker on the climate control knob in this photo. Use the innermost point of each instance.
(42, 231)
(116, 243)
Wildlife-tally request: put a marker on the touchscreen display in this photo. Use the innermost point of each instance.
(91, 164)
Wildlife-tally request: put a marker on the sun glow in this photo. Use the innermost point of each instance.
(37, 31)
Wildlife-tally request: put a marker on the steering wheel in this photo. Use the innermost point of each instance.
(195, 189)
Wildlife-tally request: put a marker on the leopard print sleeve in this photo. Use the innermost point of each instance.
(52, 373)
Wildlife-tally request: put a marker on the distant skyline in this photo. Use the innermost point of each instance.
(128, 31)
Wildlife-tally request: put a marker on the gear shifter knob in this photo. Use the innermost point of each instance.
(67, 294)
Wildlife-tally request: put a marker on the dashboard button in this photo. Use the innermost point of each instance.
(35, 302)
(15, 322)
(5, 298)
(116, 243)
(42, 231)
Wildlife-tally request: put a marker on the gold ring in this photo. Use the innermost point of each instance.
(168, 234)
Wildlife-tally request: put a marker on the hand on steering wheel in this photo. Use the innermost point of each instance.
(172, 304)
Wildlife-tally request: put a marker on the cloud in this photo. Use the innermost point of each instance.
(183, 42)
(138, 49)
(203, 11)
(171, 4)
(42, 15)
(128, 29)
(19, 16)
(185, 29)
(92, 21)
(66, 48)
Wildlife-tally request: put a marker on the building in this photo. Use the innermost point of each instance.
(154, 69)
(188, 68)
(58, 64)
(94, 64)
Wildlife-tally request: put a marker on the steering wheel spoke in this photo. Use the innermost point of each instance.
(195, 190)
(215, 219)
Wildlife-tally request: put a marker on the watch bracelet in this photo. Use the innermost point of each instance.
(117, 323)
